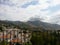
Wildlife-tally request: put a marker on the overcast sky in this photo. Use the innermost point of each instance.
(22, 10)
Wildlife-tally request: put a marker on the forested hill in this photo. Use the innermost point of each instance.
(45, 25)
(30, 25)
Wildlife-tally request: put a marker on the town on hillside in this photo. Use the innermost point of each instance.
(14, 36)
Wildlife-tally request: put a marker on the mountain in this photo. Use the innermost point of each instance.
(18, 24)
(45, 25)
(35, 24)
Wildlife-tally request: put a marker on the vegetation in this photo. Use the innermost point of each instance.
(45, 38)
(3, 43)
(39, 35)
(0, 28)
(28, 43)
(42, 38)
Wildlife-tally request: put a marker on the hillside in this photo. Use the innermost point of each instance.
(30, 25)
(45, 25)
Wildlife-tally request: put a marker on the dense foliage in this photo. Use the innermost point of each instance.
(45, 38)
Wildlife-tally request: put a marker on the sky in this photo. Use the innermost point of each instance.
(22, 10)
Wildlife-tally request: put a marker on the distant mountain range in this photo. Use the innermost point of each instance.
(34, 23)
(45, 25)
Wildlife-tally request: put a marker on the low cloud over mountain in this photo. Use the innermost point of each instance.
(22, 10)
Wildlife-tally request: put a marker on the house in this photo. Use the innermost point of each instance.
(15, 35)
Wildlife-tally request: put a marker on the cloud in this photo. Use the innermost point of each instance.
(16, 3)
(6, 2)
(29, 3)
(54, 2)
(22, 10)
(55, 18)
(52, 9)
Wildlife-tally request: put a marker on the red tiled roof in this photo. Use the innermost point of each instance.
(16, 40)
(5, 36)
